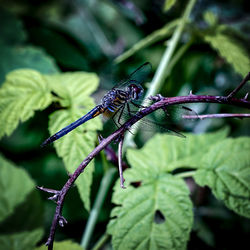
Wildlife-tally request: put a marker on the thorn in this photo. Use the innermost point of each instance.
(246, 96)
(190, 92)
(156, 98)
(48, 190)
(160, 96)
(69, 174)
(62, 221)
(48, 242)
(122, 183)
(54, 197)
(100, 138)
(165, 111)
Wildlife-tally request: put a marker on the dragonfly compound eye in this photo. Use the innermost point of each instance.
(135, 90)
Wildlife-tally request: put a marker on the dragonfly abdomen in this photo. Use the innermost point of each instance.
(91, 114)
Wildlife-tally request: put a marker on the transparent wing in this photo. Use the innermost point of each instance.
(137, 77)
(170, 121)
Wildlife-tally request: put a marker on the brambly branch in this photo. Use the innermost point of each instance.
(160, 102)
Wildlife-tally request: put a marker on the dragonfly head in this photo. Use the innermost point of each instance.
(135, 91)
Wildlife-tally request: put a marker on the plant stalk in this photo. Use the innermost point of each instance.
(102, 192)
(186, 174)
(161, 71)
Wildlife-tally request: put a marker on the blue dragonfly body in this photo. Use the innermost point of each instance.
(113, 102)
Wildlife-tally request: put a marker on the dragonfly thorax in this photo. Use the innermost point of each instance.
(134, 91)
(114, 99)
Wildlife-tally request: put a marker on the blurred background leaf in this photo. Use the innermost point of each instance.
(13, 51)
(21, 241)
(63, 245)
(228, 173)
(15, 186)
(238, 56)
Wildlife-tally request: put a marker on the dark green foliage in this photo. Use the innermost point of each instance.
(15, 53)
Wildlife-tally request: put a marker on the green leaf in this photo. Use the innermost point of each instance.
(234, 53)
(156, 215)
(74, 89)
(149, 40)
(226, 170)
(21, 241)
(169, 4)
(12, 52)
(63, 245)
(174, 152)
(23, 93)
(25, 57)
(15, 185)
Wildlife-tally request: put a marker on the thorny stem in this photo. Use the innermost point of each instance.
(163, 102)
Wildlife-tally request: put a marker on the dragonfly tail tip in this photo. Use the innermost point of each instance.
(45, 143)
(49, 140)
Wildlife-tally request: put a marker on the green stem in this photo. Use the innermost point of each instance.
(105, 163)
(160, 74)
(102, 192)
(186, 174)
(101, 242)
(177, 56)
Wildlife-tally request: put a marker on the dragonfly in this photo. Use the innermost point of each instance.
(117, 103)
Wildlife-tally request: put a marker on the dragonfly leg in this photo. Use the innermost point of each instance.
(116, 112)
(129, 112)
(120, 115)
(132, 113)
(115, 122)
(138, 105)
(164, 108)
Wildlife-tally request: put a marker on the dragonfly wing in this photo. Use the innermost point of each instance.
(137, 77)
(151, 125)
(169, 120)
